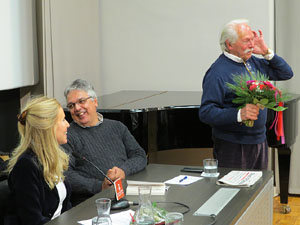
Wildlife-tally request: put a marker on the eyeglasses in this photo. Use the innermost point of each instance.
(80, 101)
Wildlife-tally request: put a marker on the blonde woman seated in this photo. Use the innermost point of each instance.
(39, 191)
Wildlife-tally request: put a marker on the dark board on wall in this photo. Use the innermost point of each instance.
(10, 107)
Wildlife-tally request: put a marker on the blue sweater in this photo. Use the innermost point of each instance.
(217, 108)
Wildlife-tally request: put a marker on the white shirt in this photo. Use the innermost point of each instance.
(62, 193)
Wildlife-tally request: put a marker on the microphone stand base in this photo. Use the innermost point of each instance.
(121, 204)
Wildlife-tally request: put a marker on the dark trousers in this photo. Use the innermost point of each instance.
(241, 156)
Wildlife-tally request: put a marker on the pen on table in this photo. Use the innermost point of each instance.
(185, 177)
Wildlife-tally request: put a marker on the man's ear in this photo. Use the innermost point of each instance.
(96, 102)
(228, 45)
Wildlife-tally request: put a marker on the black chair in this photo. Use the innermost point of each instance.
(4, 190)
(4, 198)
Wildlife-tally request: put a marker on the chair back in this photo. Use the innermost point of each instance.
(4, 199)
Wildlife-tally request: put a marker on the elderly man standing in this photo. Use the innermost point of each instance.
(236, 145)
(107, 143)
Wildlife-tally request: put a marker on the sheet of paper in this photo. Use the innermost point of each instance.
(121, 218)
(240, 178)
(183, 180)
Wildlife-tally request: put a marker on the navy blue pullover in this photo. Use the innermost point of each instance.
(217, 108)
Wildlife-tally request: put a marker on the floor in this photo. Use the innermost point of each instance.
(292, 218)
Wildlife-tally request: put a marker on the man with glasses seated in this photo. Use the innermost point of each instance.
(106, 143)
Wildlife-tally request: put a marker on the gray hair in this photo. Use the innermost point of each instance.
(229, 32)
(81, 85)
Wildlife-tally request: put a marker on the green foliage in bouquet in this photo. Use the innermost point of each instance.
(256, 89)
(158, 213)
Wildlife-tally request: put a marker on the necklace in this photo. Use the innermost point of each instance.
(247, 67)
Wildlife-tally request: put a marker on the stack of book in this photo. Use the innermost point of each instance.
(157, 188)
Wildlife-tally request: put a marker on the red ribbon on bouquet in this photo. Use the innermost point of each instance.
(278, 128)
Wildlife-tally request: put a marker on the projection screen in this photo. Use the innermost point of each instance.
(18, 44)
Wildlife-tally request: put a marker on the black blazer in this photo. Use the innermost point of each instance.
(32, 201)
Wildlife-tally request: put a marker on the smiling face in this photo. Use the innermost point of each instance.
(244, 45)
(84, 110)
(61, 127)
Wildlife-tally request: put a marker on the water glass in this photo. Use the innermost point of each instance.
(101, 220)
(103, 206)
(103, 210)
(174, 218)
(210, 168)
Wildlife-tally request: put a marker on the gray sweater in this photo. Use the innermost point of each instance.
(106, 145)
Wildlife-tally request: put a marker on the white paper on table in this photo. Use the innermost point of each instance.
(187, 181)
(240, 178)
(121, 218)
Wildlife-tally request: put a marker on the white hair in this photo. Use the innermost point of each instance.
(82, 85)
(229, 32)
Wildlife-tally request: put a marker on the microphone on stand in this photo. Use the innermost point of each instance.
(115, 204)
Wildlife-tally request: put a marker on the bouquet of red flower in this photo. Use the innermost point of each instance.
(257, 90)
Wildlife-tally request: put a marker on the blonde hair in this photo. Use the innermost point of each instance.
(37, 127)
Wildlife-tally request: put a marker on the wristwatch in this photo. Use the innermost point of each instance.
(270, 54)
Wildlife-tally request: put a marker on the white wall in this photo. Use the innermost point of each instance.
(288, 46)
(143, 45)
(71, 43)
(18, 44)
(168, 45)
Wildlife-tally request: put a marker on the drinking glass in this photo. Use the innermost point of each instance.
(103, 211)
(210, 168)
(174, 218)
(101, 221)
